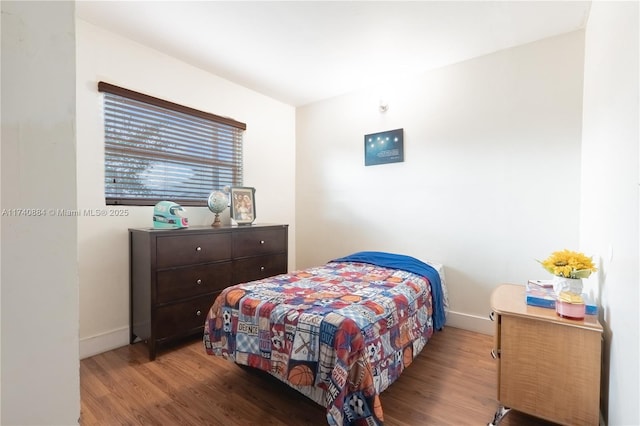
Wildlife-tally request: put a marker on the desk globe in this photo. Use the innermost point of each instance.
(217, 202)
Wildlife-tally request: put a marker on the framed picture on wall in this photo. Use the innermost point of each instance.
(384, 147)
(243, 205)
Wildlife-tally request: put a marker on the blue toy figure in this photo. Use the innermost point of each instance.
(169, 215)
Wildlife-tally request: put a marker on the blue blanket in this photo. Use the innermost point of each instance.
(410, 264)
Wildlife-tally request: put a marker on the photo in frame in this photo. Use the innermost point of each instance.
(384, 147)
(243, 205)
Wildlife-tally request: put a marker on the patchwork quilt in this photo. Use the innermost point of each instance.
(340, 333)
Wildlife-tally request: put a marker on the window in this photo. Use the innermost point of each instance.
(156, 150)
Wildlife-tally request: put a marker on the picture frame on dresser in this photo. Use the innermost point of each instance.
(243, 204)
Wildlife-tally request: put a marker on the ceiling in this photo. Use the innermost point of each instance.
(302, 51)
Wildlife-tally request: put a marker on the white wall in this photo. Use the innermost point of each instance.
(269, 155)
(490, 180)
(609, 213)
(40, 368)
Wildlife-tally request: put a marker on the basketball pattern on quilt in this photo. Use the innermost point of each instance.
(339, 333)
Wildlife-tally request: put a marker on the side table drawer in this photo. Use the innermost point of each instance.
(255, 268)
(182, 283)
(180, 250)
(184, 318)
(259, 242)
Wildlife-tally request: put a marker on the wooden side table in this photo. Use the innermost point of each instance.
(548, 366)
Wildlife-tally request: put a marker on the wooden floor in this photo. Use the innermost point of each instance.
(452, 382)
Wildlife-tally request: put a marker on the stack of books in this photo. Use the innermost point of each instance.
(540, 293)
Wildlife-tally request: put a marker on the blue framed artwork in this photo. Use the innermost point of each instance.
(384, 147)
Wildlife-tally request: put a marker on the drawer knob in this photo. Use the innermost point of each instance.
(198, 248)
(494, 354)
(261, 241)
(262, 268)
(198, 281)
(198, 312)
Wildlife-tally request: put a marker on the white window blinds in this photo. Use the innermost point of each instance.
(156, 150)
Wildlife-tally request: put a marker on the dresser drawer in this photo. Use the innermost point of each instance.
(182, 283)
(259, 242)
(182, 250)
(176, 274)
(255, 268)
(184, 318)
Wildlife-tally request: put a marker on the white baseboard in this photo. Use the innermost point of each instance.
(94, 345)
(90, 346)
(471, 322)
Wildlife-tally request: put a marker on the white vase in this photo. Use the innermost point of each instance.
(572, 285)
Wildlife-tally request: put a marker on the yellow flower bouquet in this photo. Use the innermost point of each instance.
(569, 264)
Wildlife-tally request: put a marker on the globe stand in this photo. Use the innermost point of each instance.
(216, 222)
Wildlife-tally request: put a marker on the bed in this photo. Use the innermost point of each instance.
(339, 333)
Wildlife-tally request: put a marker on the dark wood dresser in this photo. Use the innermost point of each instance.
(175, 275)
